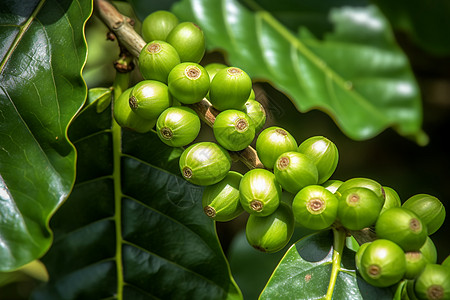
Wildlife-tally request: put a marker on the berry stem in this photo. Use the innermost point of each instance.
(134, 43)
(339, 236)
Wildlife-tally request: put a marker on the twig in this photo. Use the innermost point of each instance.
(120, 26)
(133, 42)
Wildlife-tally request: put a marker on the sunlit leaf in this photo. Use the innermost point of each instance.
(304, 273)
(357, 73)
(426, 22)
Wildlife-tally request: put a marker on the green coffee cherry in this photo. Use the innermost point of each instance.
(157, 25)
(156, 60)
(233, 130)
(415, 263)
(323, 153)
(429, 251)
(294, 171)
(365, 183)
(126, 118)
(392, 199)
(204, 163)
(332, 185)
(359, 254)
(188, 39)
(315, 207)
(270, 233)
(433, 283)
(256, 112)
(272, 142)
(230, 89)
(446, 262)
(149, 98)
(383, 263)
(430, 210)
(403, 227)
(220, 201)
(260, 193)
(252, 95)
(358, 208)
(188, 82)
(178, 126)
(213, 68)
(409, 294)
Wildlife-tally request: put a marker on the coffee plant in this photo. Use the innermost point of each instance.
(171, 164)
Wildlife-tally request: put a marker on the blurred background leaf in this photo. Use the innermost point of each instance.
(357, 73)
(425, 22)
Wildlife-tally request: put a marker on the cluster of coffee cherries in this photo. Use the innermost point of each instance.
(403, 250)
(174, 81)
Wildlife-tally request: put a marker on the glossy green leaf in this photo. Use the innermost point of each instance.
(357, 73)
(304, 273)
(42, 52)
(132, 228)
(252, 268)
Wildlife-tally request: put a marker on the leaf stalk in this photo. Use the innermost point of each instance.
(339, 235)
(120, 84)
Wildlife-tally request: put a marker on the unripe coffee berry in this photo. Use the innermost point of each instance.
(149, 98)
(272, 142)
(230, 89)
(446, 262)
(270, 233)
(260, 193)
(158, 25)
(294, 171)
(359, 254)
(126, 118)
(323, 153)
(433, 283)
(429, 251)
(213, 68)
(332, 185)
(392, 199)
(233, 130)
(178, 126)
(430, 210)
(367, 183)
(256, 112)
(204, 163)
(383, 263)
(220, 201)
(415, 263)
(188, 39)
(188, 82)
(252, 95)
(315, 207)
(157, 59)
(403, 227)
(358, 208)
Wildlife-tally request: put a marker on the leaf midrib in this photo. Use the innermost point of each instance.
(331, 76)
(22, 30)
